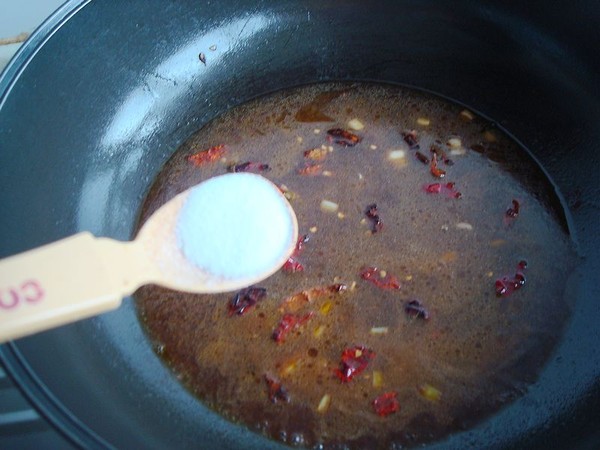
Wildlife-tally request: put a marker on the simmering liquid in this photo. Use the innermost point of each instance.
(427, 291)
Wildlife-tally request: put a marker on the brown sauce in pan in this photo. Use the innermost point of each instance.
(452, 357)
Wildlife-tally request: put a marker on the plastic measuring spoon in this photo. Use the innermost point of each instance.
(82, 275)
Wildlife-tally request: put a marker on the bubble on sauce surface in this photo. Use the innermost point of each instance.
(480, 351)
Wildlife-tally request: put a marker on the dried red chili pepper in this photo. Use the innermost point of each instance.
(316, 154)
(512, 213)
(506, 285)
(206, 156)
(410, 137)
(277, 393)
(439, 188)
(373, 275)
(434, 169)
(415, 308)
(441, 154)
(421, 157)
(434, 188)
(249, 166)
(343, 137)
(246, 299)
(292, 264)
(373, 214)
(310, 169)
(386, 404)
(354, 361)
(289, 322)
(298, 300)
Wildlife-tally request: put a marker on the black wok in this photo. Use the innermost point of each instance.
(104, 92)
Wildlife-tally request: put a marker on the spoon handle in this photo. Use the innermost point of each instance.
(71, 279)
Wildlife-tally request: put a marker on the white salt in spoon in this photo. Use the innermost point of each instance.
(224, 234)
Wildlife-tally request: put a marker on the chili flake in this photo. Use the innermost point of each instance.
(441, 154)
(506, 285)
(512, 213)
(207, 156)
(440, 188)
(434, 169)
(410, 137)
(354, 361)
(386, 404)
(292, 264)
(310, 169)
(289, 322)
(421, 157)
(316, 154)
(343, 137)
(277, 393)
(374, 275)
(246, 299)
(414, 308)
(249, 166)
(373, 214)
(300, 299)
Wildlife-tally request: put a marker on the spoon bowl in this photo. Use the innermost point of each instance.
(82, 275)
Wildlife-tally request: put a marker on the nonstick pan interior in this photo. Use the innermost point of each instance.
(104, 92)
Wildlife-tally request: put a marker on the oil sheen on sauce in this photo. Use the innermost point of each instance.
(428, 291)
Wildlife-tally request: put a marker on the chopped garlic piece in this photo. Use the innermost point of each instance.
(289, 368)
(326, 308)
(429, 392)
(324, 403)
(327, 173)
(454, 142)
(341, 215)
(464, 226)
(377, 379)
(395, 155)
(458, 151)
(467, 115)
(316, 131)
(313, 229)
(355, 124)
(373, 147)
(329, 206)
(424, 121)
(379, 330)
(319, 331)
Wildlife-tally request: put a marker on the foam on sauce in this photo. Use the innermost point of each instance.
(388, 326)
